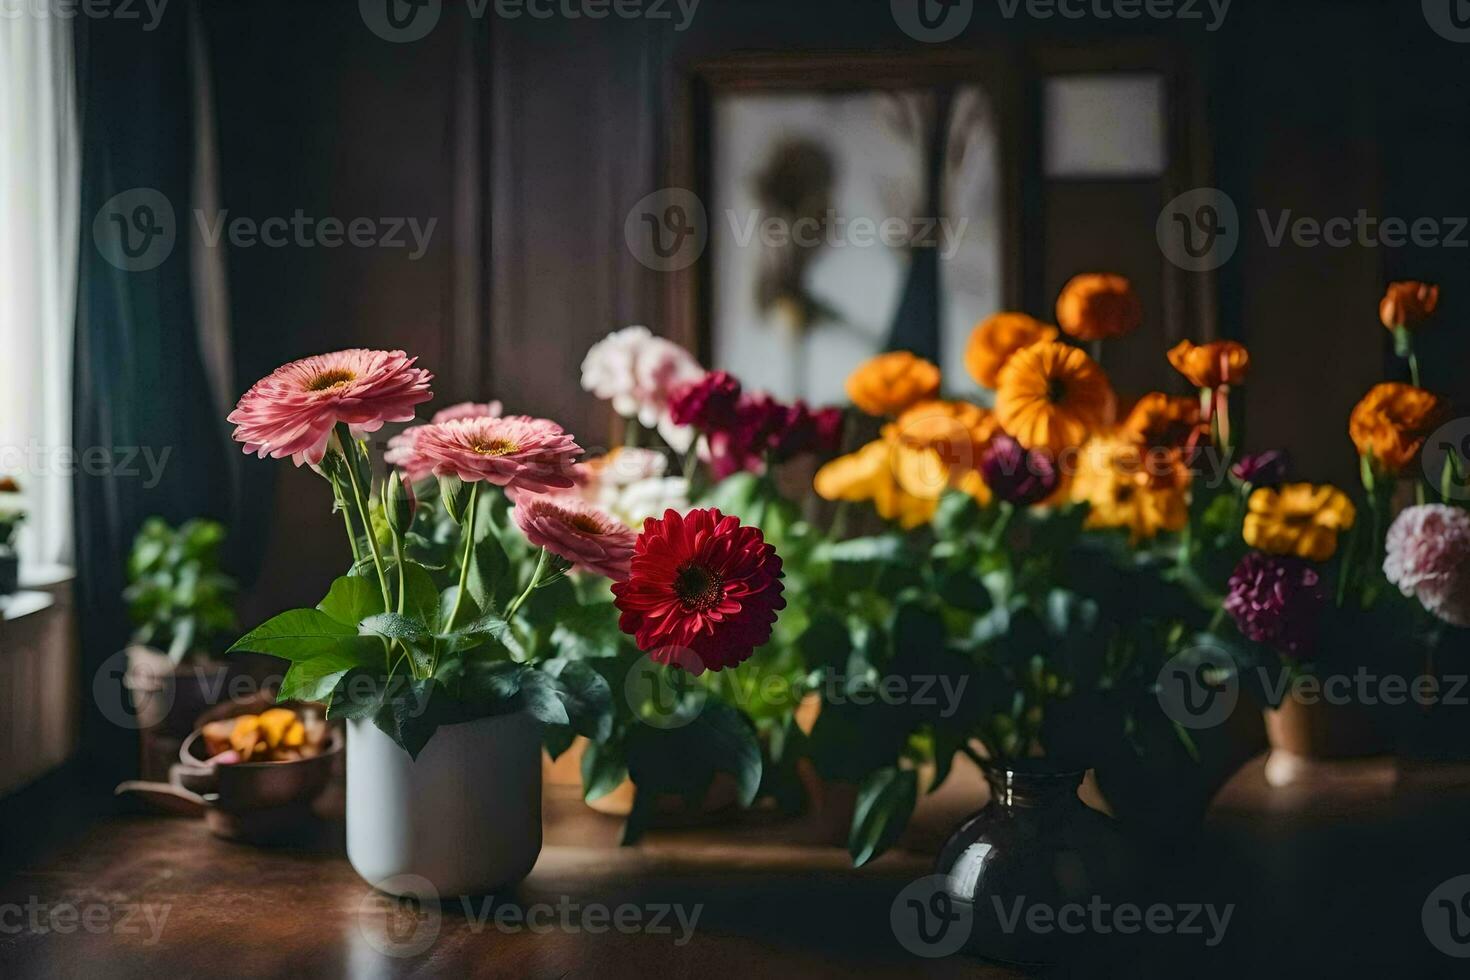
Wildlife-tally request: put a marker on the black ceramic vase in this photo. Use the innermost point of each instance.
(1036, 869)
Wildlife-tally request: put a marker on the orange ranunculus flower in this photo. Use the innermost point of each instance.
(1391, 423)
(1095, 306)
(1052, 396)
(995, 339)
(889, 383)
(1170, 421)
(936, 443)
(1125, 486)
(868, 475)
(1299, 519)
(1407, 303)
(1220, 362)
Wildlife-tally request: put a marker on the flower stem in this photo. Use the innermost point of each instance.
(347, 520)
(364, 515)
(530, 587)
(469, 556)
(1414, 368)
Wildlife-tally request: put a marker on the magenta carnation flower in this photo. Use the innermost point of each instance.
(1265, 469)
(584, 535)
(1277, 600)
(1428, 557)
(291, 411)
(1016, 475)
(516, 452)
(708, 403)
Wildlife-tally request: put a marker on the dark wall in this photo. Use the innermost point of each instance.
(529, 141)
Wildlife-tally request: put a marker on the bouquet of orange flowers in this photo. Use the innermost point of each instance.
(1052, 549)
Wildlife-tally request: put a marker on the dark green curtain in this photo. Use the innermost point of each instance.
(140, 386)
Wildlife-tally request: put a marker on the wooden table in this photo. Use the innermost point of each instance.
(1325, 880)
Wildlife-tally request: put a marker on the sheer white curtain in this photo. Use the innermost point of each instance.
(38, 262)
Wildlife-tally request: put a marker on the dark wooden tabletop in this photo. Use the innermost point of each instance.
(1325, 880)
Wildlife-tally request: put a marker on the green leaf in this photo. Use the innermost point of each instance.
(586, 696)
(351, 599)
(299, 634)
(542, 698)
(825, 643)
(603, 770)
(724, 740)
(311, 680)
(422, 598)
(358, 694)
(489, 565)
(885, 801)
(394, 627)
(916, 628)
(886, 548)
(409, 713)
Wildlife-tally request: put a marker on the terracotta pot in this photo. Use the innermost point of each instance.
(1307, 736)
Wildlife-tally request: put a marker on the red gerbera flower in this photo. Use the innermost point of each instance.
(703, 592)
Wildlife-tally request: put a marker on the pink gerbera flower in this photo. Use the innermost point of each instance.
(291, 411)
(400, 450)
(582, 534)
(517, 452)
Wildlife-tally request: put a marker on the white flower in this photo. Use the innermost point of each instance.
(638, 372)
(1428, 557)
(634, 503)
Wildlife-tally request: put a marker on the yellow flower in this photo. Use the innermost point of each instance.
(994, 341)
(1096, 306)
(937, 443)
(1392, 422)
(1221, 362)
(868, 475)
(1053, 396)
(889, 383)
(1126, 486)
(1299, 519)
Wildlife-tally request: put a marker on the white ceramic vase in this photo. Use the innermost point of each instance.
(465, 817)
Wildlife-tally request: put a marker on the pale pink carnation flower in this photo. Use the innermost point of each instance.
(1428, 557)
(638, 373)
(584, 535)
(291, 411)
(400, 450)
(516, 452)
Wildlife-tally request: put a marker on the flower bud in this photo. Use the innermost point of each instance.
(399, 503)
(455, 493)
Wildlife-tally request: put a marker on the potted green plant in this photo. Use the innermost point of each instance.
(454, 649)
(182, 607)
(12, 515)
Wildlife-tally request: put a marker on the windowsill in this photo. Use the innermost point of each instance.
(45, 576)
(25, 603)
